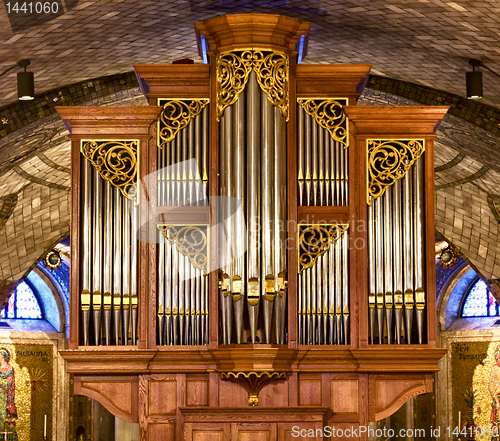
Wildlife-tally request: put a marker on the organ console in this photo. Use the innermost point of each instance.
(252, 237)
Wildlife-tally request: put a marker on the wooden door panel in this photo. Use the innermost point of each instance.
(207, 432)
(253, 432)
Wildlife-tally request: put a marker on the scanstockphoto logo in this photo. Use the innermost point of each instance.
(169, 193)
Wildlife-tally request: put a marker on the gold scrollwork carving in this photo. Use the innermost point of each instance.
(329, 114)
(388, 161)
(175, 116)
(190, 240)
(314, 241)
(116, 162)
(253, 382)
(233, 70)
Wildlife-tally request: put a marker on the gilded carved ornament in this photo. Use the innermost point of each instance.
(116, 162)
(388, 161)
(253, 382)
(233, 70)
(175, 116)
(190, 240)
(315, 240)
(329, 114)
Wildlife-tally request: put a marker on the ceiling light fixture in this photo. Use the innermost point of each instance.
(474, 81)
(25, 82)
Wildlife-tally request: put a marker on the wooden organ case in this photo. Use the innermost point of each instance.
(252, 252)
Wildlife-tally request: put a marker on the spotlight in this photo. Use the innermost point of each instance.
(474, 81)
(25, 82)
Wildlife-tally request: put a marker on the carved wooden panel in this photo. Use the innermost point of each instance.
(232, 395)
(162, 397)
(345, 432)
(253, 432)
(274, 395)
(197, 391)
(309, 391)
(161, 432)
(344, 396)
(207, 432)
(295, 431)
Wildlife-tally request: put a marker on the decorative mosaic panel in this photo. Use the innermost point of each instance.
(26, 389)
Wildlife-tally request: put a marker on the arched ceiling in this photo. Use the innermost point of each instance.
(428, 42)
(425, 42)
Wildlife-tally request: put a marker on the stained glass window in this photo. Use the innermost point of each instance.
(480, 302)
(23, 304)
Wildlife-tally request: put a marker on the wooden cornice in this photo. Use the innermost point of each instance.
(398, 359)
(332, 80)
(108, 361)
(252, 358)
(247, 31)
(109, 121)
(173, 81)
(395, 120)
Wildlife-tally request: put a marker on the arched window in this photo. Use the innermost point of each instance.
(23, 304)
(479, 302)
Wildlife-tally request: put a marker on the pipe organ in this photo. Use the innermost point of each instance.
(252, 238)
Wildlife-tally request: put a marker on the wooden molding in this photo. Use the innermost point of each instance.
(105, 121)
(256, 414)
(250, 358)
(173, 81)
(332, 81)
(404, 121)
(246, 31)
(398, 359)
(102, 361)
(253, 358)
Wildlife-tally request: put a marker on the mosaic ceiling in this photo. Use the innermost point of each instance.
(418, 43)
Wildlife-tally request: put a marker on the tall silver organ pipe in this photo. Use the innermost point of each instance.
(322, 163)
(396, 241)
(85, 298)
(97, 254)
(117, 266)
(108, 274)
(109, 261)
(324, 293)
(253, 204)
(134, 292)
(253, 170)
(182, 290)
(180, 185)
(182, 295)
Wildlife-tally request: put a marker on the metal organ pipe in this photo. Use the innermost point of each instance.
(182, 290)
(117, 265)
(253, 203)
(109, 259)
(396, 237)
(97, 251)
(108, 239)
(322, 180)
(267, 200)
(85, 298)
(418, 191)
(253, 170)
(238, 231)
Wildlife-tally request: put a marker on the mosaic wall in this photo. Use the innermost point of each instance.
(26, 389)
(471, 365)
